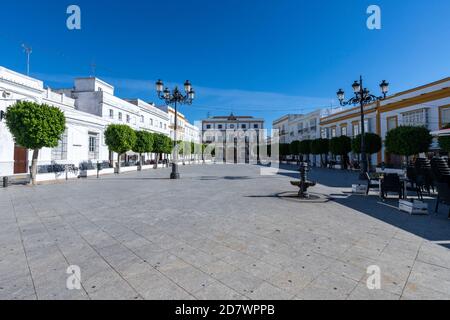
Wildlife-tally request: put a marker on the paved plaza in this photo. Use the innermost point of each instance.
(222, 232)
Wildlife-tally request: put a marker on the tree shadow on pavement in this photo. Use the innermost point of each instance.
(432, 227)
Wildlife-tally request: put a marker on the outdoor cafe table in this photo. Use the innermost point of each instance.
(403, 180)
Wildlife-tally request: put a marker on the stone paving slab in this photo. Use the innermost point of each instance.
(222, 232)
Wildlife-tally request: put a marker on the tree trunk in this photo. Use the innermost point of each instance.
(118, 163)
(34, 163)
(140, 162)
(157, 160)
(344, 162)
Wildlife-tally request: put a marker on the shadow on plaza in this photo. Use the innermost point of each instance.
(328, 177)
(207, 178)
(123, 177)
(433, 227)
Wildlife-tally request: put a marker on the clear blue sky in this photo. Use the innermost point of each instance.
(252, 57)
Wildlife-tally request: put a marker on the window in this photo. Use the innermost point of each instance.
(343, 130)
(111, 113)
(165, 126)
(333, 132)
(244, 126)
(255, 126)
(415, 118)
(391, 123)
(367, 125)
(324, 133)
(142, 119)
(231, 126)
(151, 122)
(160, 125)
(355, 129)
(208, 126)
(120, 116)
(220, 126)
(444, 116)
(60, 152)
(128, 118)
(93, 146)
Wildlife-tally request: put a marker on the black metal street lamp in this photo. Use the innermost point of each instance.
(174, 98)
(362, 98)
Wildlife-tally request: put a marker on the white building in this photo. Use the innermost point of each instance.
(96, 97)
(232, 122)
(81, 142)
(299, 127)
(185, 130)
(283, 125)
(89, 107)
(222, 132)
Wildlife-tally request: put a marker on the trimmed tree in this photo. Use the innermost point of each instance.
(143, 144)
(373, 144)
(408, 140)
(35, 126)
(305, 148)
(120, 138)
(320, 147)
(444, 142)
(161, 145)
(294, 148)
(341, 146)
(284, 150)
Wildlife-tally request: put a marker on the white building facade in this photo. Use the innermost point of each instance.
(185, 130)
(80, 142)
(89, 108)
(233, 136)
(299, 127)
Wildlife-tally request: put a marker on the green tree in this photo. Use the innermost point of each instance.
(143, 144)
(162, 145)
(294, 148)
(305, 148)
(341, 146)
(284, 150)
(320, 147)
(372, 142)
(35, 126)
(408, 140)
(444, 141)
(120, 138)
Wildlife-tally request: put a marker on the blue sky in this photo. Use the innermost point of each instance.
(251, 57)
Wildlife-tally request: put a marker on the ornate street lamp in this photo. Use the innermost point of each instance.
(362, 98)
(174, 98)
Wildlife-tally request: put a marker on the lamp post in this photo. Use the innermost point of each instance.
(362, 98)
(174, 98)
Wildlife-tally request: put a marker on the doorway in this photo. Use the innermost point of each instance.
(20, 160)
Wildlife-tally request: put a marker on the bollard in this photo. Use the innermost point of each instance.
(99, 168)
(5, 182)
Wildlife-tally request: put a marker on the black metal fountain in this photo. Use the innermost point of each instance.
(303, 184)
